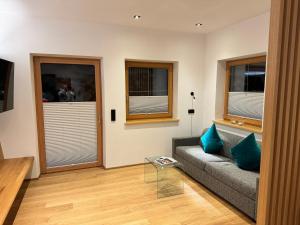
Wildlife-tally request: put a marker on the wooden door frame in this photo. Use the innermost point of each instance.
(37, 59)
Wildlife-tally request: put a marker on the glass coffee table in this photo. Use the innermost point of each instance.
(168, 178)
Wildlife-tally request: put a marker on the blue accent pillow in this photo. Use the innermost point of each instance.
(211, 141)
(247, 153)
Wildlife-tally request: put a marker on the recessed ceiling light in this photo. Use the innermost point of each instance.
(136, 17)
(198, 24)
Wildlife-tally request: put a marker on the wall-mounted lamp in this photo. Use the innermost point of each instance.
(191, 111)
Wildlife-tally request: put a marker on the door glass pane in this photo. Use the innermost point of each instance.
(68, 82)
(69, 106)
(148, 90)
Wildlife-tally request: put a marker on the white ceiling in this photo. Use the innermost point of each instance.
(177, 15)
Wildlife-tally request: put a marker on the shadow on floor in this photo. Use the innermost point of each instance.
(16, 204)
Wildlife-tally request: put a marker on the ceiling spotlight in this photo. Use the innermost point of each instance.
(136, 17)
(198, 24)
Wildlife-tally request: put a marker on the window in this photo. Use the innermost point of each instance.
(149, 90)
(244, 90)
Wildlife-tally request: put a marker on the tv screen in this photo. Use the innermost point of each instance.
(6, 85)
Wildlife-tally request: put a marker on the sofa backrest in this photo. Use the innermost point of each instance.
(230, 140)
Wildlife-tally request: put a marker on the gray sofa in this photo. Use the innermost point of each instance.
(218, 172)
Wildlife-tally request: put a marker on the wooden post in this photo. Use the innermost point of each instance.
(1, 153)
(279, 191)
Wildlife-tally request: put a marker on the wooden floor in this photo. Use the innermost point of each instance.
(119, 197)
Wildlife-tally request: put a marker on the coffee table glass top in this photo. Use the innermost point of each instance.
(152, 159)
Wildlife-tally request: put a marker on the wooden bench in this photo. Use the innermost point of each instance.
(12, 175)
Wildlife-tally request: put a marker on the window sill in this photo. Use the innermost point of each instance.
(150, 121)
(251, 128)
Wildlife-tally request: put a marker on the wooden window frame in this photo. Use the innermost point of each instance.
(246, 120)
(145, 64)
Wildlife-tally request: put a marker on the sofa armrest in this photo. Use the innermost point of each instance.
(185, 141)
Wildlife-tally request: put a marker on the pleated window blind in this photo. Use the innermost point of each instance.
(70, 133)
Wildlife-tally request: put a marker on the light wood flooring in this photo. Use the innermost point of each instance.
(119, 197)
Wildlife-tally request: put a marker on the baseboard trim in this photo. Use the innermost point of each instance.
(119, 167)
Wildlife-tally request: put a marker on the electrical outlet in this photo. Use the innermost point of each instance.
(191, 111)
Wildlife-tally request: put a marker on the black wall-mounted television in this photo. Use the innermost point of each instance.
(6, 85)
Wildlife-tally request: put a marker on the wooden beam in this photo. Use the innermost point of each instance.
(1, 153)
(279, 192)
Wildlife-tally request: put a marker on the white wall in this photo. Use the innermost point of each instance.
(200, 68)
(21, 35)
(247, 38)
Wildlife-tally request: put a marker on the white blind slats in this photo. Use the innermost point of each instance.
(148, 104)
(246, 104)
(70, 133)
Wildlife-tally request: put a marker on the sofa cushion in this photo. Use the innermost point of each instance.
(196, 156)
(247, 153)
(229, 141)
(240, 180)
(211, 141)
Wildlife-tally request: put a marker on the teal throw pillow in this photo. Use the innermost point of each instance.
(247, 153)
(211, 141)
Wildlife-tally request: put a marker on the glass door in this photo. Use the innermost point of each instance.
(71, 116)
